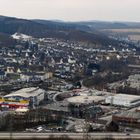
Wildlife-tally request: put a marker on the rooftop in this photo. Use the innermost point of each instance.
(26, 92)
(129, 114)
(130, 98)
(85, 99)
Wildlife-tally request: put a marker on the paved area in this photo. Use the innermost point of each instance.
(70, 135)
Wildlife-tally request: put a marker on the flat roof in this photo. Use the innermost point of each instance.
(85, 99)
(128, 97)
(26, 92)
(129, 114)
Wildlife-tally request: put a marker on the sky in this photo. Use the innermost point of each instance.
(72, 10)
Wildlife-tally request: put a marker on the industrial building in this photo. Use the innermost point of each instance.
(7, 104)
(123, 100)
(33, 94)
(130, 118)
(85, 106)
(85, 99)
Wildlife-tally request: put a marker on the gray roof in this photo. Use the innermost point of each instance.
(129, 114)
(26, 92)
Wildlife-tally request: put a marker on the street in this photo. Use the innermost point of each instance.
(68, 135)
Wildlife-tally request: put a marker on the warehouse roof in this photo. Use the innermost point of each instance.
(129, 114)
(130, 98)
(85, 99)
(26, 92)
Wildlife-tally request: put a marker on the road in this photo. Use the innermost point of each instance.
(70, 135)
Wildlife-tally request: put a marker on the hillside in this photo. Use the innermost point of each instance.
(60, 30)
(6, 40)
(11, 25)
(109, 25)
(63, 25)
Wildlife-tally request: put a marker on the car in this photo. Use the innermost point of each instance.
(127, 134)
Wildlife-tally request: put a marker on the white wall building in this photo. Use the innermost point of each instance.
(34, 94)
(123, 100)
(41, 76)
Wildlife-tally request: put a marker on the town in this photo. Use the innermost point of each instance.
(55, 85)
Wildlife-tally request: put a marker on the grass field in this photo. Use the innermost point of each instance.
(133, 34)
(136, 30)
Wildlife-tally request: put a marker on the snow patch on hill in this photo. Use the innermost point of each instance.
(21, 36)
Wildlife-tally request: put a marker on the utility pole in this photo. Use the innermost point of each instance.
(11, 126)
(86, 126)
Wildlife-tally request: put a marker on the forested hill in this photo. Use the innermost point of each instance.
(6, 40)
(9, 25)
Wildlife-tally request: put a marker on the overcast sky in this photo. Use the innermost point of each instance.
(72, 10)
